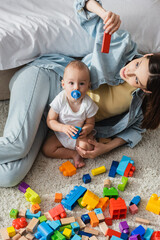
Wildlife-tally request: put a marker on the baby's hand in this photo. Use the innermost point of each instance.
(83, 133)
(69, 130)
(112, 22)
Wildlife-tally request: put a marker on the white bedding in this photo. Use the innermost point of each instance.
(31, 28)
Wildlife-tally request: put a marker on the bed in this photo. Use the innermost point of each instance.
(28, 30)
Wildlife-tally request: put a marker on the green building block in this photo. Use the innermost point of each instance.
(57, 236)
(79, 202)
(122, 186)
(110, 192)
(13, 213)
(42, 219)
(61, 229)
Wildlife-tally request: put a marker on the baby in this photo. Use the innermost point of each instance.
(71, 108)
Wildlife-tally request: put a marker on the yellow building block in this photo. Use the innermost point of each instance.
(67, 233)
(11, 231)
(32, 196)
(103, 203)
(90, 200)
(153, 204)
(98, 170)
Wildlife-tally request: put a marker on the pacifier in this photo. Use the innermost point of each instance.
(75, 94)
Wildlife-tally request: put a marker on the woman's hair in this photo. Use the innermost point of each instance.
(151, 101)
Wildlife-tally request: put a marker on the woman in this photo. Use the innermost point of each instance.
(34, 87)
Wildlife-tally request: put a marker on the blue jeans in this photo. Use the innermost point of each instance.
(32, 89)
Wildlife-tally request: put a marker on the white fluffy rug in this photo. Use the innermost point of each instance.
(46, 179)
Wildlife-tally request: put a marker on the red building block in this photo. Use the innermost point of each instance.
(19, 223)
(133, 209)
(129, 170)
(106, 43)
(117, 208)
(108, 221)
(155, 235)
(57, 212)
(110, 232)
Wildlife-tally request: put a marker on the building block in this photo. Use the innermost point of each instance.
(113, 168)
(79, 202)
(155, 235)
(58, 197)
(108, 221)
(103, 203)
(148, 234)
(13, 213)
(35, 208)
(106, 43)
(116, 238)
(110, 232)
(103, 227)
(133, 209)
(4, 234)
(139, 230)
(32, 196)
(91, 230)
(123, 165)
(153, 204)
(98, 211)
(69, 220)
(81, 223)
(76, 237)
(124, 236)
(48, 216)
(22, 213)
(61, 229)
(85, 218)
(42, 219)
(19, 223)
(84, 233)
(23, 187)
(142, 220)
(54, 224)
(129, 170)
(57, 212)
(93, 219)
(86, 178)
(99, 170)
(44, 231)
(17, 236)
(22, 231)
(117, 208)
(30, 215)
(75, 226)
(68, 169)
(29, 236)
(11, 231)
(107, 183)
(136, 200)
(70, 200)
(123, 185)
(67, 233)
(90, 200)
(135, 237)
(110, 192)
(123, 227)
(57, 236)
(32, 225)
(100, 217)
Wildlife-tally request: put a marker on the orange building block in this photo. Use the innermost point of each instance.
(58, 197)
(103, 203)
(117, 208)
(35, 208)
(93, 219)
(153, 204)
(68, 169)
(90, 200)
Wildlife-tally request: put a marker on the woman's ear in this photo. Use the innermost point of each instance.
(148, 54)
(62, 83)
(146, 91)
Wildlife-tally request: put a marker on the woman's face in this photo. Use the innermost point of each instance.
(136, 73)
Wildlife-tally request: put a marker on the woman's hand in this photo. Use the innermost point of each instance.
(69, 130)
(111, 22)
(98, 149)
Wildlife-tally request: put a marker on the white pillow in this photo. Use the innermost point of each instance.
(30, 28)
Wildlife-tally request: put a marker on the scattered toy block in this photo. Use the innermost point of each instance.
(35, 208)
(153, 204)
(67, 233)
(22, 213)
(23, 238)
(110, 232)
(103, 203)
(48, 216)
(155, 235)
(103, 227)
(110, 192)
(61, 229)
(123, 185)
(79, 202)
(32, 226)
(70, 200)
(75, 226)
(17, 236)
(55, 225)
(107, 183)
(123, 165)
(22, 231)
(130, 169)
(44, 231)
(124, 236)
(85, 237)
(133, 209)
(123, 227)
(42, 219)
(113, 168)
(148, 234)
(106, 43)
(139, 230)
(65, 221)
(13, 213)
(4, 234)
(116, 238)
(93, 238)
(86, 178)
(68, 169)
(85, 218)
(136, 200)
(11, 231)
(90, 200)
(99, 170)
(98, 211)
(117, 208)
(85, 234)
(58, 197)
(142, 220)
(57, 212)
(23, 187)
(19, 223)
(81, 223)
(108, 221)
(30, 215)
(100, 217)
(91, 230)
(32, 196)
(76, 237)
(93, 219)
(30, 236)
(57, 236)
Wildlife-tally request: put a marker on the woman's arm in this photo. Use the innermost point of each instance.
(100, 148)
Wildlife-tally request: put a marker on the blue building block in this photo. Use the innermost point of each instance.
(136, 200)
(85, 234)
(124, 236)
(70, 201)
(113, 168)
(85, 218)
(76, 237)
(75, 226)
(86, 178)
(148, 234)
(44, 231)
(115, 238)
(123, 165)
(30, 215)
(98, 211)
(53, 224)
(76, 135)
(139, 230)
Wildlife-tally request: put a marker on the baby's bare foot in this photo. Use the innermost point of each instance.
(78, 161)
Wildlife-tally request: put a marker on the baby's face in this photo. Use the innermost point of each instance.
(76, 79)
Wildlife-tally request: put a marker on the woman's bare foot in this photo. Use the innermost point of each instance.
(78, 161)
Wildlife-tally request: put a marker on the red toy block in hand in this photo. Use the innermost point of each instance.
(19, 223)
(106, 43)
